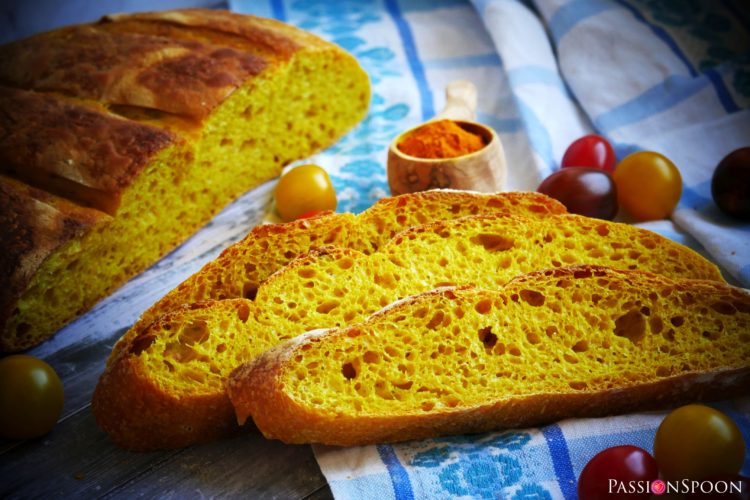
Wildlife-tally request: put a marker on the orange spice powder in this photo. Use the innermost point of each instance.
(440, 139)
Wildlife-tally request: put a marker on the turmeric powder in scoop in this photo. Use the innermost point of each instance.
(440, 139)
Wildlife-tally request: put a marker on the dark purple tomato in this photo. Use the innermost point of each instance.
(730, 185)
(608, 475)
(590, 151)
(583, 191)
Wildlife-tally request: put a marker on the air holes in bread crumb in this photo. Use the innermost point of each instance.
(243, 312)
(141, 343)
(306, 272)
(656, 324)
(371, 357)
(493, 242)
(195, 332)
(677, 320)
(631, 325)
(428, 405)
(532, 297)
(404, 385)
(436, 320)
(345, 263)
(533, 338)
(723, 308)
(221, 348)
(581, 346)
(487, 338)
(578, 386)
(484, 306)
(327, 306)
(348, 371)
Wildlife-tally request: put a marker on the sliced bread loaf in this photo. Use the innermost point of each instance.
(571, 342)
(174, 370)
(239, 270)
(156, 121)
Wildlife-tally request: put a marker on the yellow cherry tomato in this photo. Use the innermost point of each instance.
(31, 397)
(648, 185)
(696, 442)
(304, 189)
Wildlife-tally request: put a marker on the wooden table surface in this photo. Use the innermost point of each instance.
(77, 460)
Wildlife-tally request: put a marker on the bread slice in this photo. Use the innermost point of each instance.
(156, 121)
(239, 270)
(174, 370)
(571, 342)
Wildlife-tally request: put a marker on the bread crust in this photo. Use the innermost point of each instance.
(259, 388)
(76, 150)
(33, 224)
(183, 76)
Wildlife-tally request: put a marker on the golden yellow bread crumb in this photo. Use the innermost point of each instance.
(156, 121)
(239, 270)
(583, 341)
(174, 371)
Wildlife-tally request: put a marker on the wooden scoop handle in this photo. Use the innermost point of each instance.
(460, 101)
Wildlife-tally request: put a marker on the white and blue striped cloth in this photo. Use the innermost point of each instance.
(668, 76)
(646, 74)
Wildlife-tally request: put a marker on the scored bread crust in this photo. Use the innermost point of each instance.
(126, 116)
(191, 351)
(269, 390)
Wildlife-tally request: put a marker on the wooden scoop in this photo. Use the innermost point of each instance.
(483, 170)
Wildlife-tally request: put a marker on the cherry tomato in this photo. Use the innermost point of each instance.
(696, 441)
(31, 397)
(730, 185)
(609, 469)
(303, 189)
(590, 151)
(648, 185)
(583, 191)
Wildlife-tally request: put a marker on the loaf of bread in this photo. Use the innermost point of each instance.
(571, 342)
(239, 270)
(122, 137)
(174, 371)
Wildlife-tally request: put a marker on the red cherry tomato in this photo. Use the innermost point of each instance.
(648, 185)
(590, 151)
(583, 191)
(696, 441)
(730, 185)
(607, 476)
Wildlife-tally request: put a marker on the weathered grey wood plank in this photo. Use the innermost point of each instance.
(245, 466)
(76, 459)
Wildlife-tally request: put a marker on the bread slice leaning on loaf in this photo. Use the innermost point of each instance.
(175, 370)
(240, 269)
(140, 128)
(572, 342)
